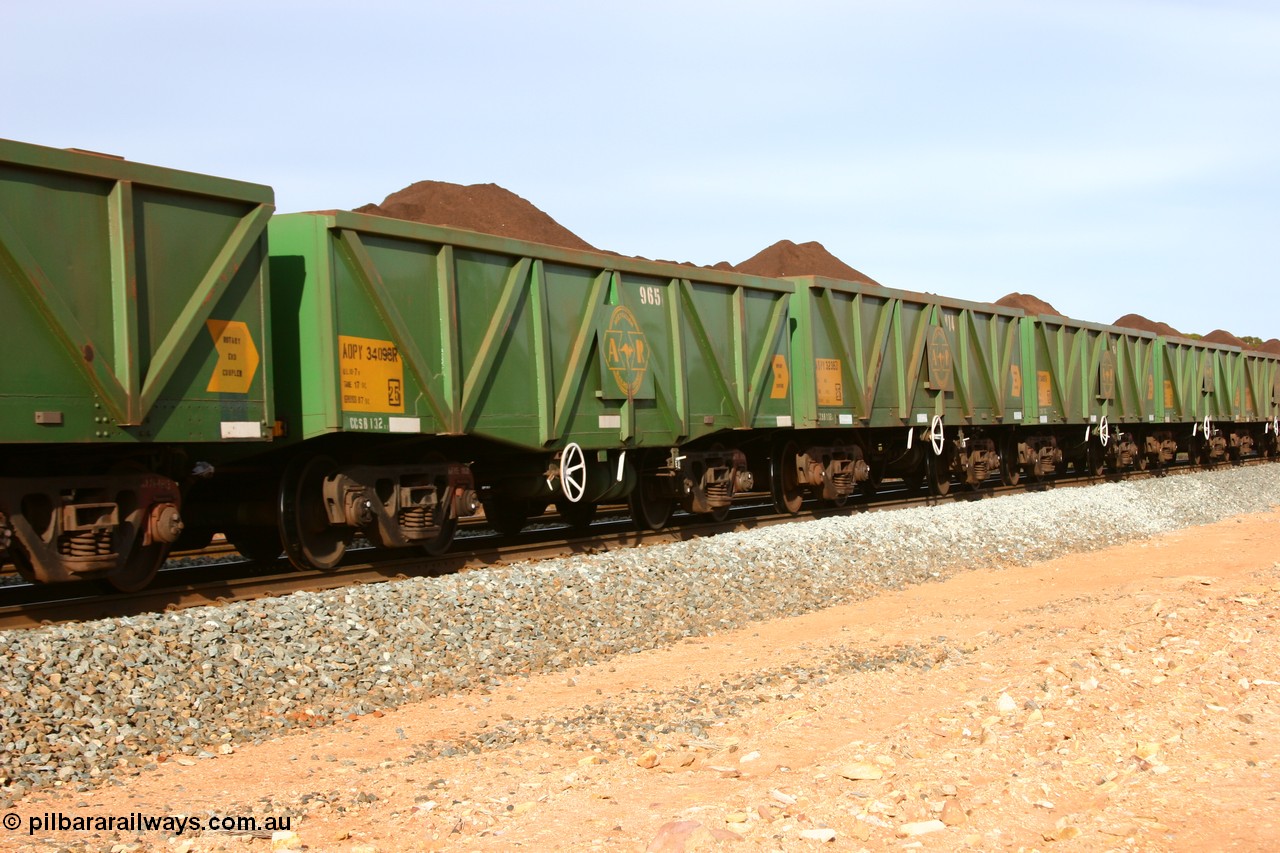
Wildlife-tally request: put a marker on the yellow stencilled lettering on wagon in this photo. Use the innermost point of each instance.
(1168, 393)
(830, 381)
(237, 357)
(781, 378)
(1015, 380)
(1044, 387)
(372, 375)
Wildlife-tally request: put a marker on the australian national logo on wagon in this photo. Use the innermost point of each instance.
(625, 354)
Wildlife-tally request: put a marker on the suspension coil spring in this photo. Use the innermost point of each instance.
(415, 518)
(718, 492)
(86, 543)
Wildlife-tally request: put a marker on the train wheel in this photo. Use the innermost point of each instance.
(577, 515)
(310, 542)
(783, 481)
(260, 544)
(938, 474)
(1010, 470)
(651, 503)
(437, 545)
(1095, 462)
(193, 539)
(140, 568)
(22, 563)
(507, 516)
(1198, 454)
(868, 487)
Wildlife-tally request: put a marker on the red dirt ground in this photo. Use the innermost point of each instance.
(1126, 699)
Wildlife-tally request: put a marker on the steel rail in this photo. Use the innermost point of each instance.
(181, 586)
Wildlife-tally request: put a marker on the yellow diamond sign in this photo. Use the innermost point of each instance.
(781, 378)
(237, 357)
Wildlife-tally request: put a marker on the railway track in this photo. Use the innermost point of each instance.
(188, 581)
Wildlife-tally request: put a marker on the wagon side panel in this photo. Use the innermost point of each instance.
(136, 298)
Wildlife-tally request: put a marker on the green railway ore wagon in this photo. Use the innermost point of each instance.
(1263, 373)
(1260, 382)
(1089, 395)
(932, 390)
(1226, 394)
(1200, 381)
(421, 368)
(135, 347)
(175, 367)
(1142, 399)
(895, 383)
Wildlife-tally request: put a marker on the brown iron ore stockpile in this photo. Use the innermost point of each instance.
(1027, 302)
(487, 208)
(490, 209)
(1142, 324)
(1219, 336)
(785, 258)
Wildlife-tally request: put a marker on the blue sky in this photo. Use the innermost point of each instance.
(1108, 157)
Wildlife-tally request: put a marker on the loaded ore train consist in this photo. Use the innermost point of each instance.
(178, 361)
